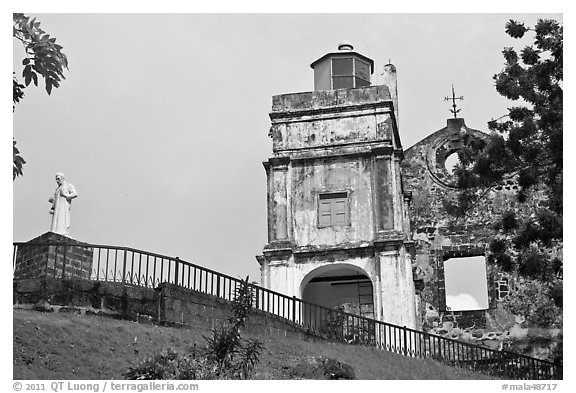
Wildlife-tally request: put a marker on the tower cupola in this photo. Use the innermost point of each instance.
(344, 69)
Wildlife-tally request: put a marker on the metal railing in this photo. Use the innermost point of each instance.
(142, 268)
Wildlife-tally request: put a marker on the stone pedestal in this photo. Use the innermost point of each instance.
(53, 255)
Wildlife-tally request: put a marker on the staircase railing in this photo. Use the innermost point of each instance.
(147, 269)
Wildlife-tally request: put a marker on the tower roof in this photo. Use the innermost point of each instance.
(345, 49)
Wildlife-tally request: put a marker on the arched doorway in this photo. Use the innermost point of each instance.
(342, 286)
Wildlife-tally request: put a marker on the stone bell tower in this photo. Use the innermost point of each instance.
(338, 232)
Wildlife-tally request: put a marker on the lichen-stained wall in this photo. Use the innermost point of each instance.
(396, 286)
(310, 179)
(331, 118)
(335, 130)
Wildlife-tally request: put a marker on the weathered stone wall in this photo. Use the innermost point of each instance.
(179, 306)
(341, 117)
(97, 297)
(167, 304)
(329, 99)
(439, 236)
(310, 179)
(35, 259)
(396, 287)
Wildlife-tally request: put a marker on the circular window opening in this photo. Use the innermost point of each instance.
(451, 161)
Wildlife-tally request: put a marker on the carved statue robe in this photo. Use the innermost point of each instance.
(61, 208)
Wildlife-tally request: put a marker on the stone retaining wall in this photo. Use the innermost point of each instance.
(167, 304)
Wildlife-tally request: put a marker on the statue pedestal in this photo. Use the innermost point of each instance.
(53, 255)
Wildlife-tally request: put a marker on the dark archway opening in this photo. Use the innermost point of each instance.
(344, 288)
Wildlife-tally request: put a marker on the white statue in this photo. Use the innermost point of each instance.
(61, 206)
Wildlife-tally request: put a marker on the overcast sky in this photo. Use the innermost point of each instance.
(162, 121)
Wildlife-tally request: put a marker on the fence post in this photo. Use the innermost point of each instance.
(294, 309)
(124, 268)
(176, 270)
(405, 341)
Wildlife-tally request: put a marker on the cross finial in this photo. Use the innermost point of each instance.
(454, 98)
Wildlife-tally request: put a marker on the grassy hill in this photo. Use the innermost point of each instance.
(72, 346)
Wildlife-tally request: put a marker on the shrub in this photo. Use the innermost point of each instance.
(226, 355)
(333, 369)
(157, 366)
(172, 365)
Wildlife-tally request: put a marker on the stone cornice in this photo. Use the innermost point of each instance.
(366, 248)
(349, 150)
(330, 98)
(309, 114)
(342, 151)
(324, 249)
(285, 249)
(278, 249)
(348, 154)
(389, 240)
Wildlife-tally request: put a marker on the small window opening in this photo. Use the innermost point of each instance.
(466, 284)
(333, 209)
(451, 161)
(503, 288)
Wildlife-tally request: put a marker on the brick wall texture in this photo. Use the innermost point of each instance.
(37, 259)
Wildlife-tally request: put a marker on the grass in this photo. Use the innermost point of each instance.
(72, 346)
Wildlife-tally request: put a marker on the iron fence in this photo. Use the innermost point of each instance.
(142, 268)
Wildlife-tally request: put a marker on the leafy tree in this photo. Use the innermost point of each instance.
(525, 146)
(18, 161)
(44, 57)
(526, 143)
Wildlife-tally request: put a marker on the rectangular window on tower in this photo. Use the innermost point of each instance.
(348, 73)
(342, 73)
(333, 209)
(362, 73)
